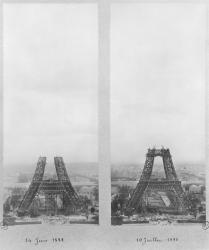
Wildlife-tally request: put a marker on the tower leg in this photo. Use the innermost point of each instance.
(31, 192)
(136, 197)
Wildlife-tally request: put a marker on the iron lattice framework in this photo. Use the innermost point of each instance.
(170, 183)
(49, 187)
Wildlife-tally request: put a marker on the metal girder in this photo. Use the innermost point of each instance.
(171, 182)
(49, 187)
(33, 188)
(65, 181)
(134, 201)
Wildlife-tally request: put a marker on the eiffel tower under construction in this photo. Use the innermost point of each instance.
(170, 184)
(50, 187)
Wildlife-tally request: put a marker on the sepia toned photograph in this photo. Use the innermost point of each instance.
(50, 114)
(158, 114)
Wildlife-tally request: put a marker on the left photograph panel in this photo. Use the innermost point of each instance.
(50, 114)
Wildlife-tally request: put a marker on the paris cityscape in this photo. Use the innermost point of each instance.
(76, 203)
(50, 111)
(137, 198)
(156, 204)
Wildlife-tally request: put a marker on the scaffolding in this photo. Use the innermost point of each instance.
(50, 188)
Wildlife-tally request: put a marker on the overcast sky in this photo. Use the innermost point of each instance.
(157, 80)
(50, 82)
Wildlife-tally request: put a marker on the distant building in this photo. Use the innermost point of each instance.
(86, 191)
(195, 189)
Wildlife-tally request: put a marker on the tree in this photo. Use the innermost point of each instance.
(96, 193)
(191, 202)
(85, 201)
(92, 210)
(34, 208)
(15, 201)
(119, 202)
(124, 193)
(114, 205)
(7, 206)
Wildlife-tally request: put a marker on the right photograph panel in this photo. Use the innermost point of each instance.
(158, 113)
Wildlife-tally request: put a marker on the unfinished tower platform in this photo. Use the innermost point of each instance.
(50, 188)
(170, 184)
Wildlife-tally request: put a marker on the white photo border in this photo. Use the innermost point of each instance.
(106, 236)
